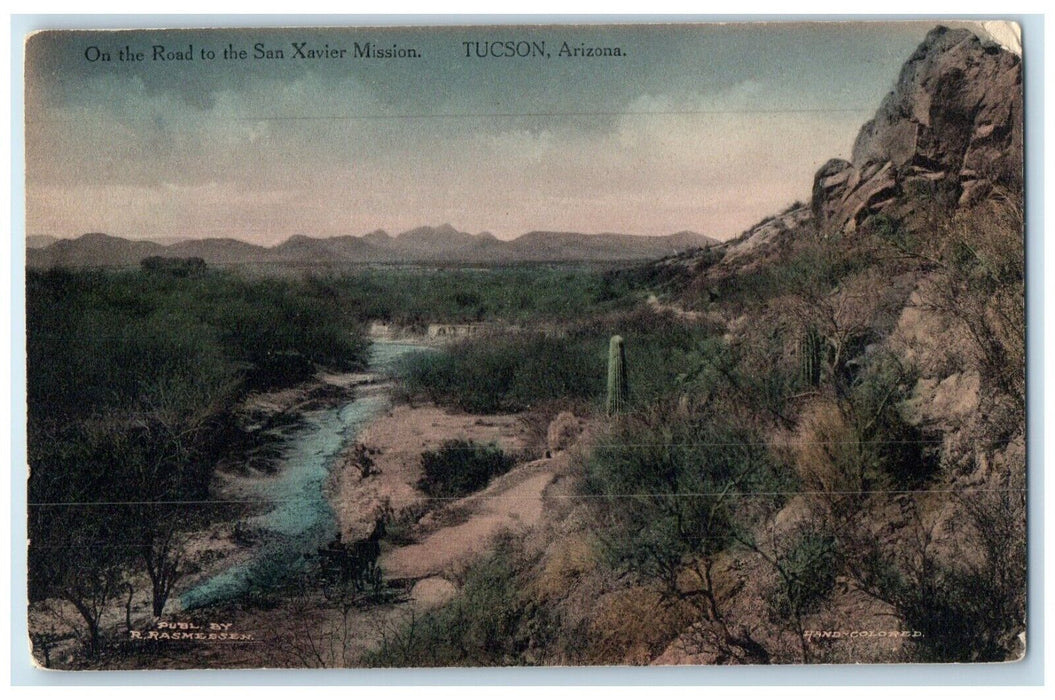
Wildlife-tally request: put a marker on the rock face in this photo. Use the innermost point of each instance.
(947, 134)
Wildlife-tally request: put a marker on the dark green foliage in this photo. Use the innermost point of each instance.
(98, 339)
(179, 267)
(461, 467)
(514, 371)
(618, 388)
(491, 622)
(503, 373)
(418, 296)
(807, 570)
(893, 452)
(670, 487)
(747, 377)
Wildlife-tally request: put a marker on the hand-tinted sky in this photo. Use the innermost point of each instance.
(704, 127)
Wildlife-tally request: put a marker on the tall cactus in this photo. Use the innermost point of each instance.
(618, 386)
(810, 351)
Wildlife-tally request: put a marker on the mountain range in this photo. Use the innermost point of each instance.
(425, 244)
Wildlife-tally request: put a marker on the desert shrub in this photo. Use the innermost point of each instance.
(826, 451)
(491, 622)
(847, 448)
(671, 486)
(503, 373)
(101, 338)
(511, 372)
(804, 562)
(399, 527)
(757, 373)
(673, 489)
(809, 265)
(807, 570)
(460, 467)
(568, 559)
(969, 607)
(519, 293)
(895, 453)
(634, 626)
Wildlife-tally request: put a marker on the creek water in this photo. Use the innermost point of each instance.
(299, 519)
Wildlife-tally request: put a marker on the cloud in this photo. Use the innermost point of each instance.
(649, 146)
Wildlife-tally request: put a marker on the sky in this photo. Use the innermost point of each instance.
(707, 128)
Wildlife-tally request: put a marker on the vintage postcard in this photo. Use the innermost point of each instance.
(520, 345)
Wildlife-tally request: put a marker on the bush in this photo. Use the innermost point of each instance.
(512, 372)
(504, 373)
(807, 571)
(633, 626)
(522, 293)
(671, 487)
(460, 467)
(848, 448)
(970, 606)
(897, 452)
(492, 622)
(104, 340)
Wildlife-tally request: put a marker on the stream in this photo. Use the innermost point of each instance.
(300, 519)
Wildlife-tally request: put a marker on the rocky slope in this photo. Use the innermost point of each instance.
(949, 132)
(911, 250)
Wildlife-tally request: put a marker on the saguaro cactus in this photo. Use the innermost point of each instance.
(810, 350)
(618, 387)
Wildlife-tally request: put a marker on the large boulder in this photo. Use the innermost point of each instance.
(949, 132)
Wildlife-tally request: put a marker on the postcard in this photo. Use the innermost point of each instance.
(555, 345)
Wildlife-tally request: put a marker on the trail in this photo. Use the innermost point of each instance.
(679, 312)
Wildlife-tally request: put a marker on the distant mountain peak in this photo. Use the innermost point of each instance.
(92, 236)
(423, 244)
(443, 230)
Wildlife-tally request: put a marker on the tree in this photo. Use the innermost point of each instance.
(672, 492)
(78, 550)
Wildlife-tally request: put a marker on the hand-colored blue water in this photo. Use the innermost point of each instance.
(301, 519)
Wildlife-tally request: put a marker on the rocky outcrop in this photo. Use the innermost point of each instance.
(948, 133)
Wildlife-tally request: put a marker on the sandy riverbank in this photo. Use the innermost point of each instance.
(396, 441)
(450, 534)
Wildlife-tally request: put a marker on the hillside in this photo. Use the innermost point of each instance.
(842, 452)
(895, 296)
